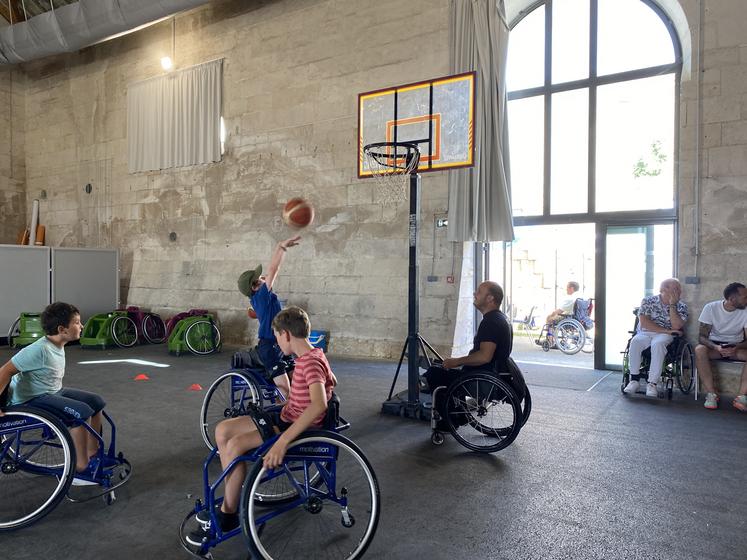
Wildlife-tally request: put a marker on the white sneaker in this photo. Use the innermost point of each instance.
(83, 482)
(651, 390)
(631, 387)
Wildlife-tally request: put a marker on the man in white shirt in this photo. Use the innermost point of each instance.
(566, 306)
(723, 325)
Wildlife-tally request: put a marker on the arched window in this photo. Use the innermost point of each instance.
(592, 88)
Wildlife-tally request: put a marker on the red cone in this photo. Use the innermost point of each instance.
(194, 387)
(141, 377)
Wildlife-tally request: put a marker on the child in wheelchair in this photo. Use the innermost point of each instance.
(34, 376)
(310, 391)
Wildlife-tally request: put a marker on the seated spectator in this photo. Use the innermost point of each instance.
(660, 318)
(566, 306)
(723, 325)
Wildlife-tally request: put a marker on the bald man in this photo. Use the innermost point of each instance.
(660, 318)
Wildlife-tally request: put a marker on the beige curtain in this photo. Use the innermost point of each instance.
(174, 120)
(479, 200)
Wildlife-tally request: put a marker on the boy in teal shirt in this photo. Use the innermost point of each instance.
(34, 378)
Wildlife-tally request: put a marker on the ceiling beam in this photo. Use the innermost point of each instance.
(15, 14)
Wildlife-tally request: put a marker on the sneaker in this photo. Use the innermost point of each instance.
(632, 387)
(423, 384)
(711, 401)
(227, 522)
(740, 403)
(80, 481)
(651, 390)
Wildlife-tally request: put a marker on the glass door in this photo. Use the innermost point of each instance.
(637, 258)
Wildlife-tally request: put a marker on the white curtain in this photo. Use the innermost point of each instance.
(174, 120)
(479, 200)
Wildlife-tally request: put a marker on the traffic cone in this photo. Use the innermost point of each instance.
(141, 377)
(194, 387)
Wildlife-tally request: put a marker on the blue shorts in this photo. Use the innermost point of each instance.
(69, 405)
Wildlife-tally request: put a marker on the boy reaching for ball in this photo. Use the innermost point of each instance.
(258, 288)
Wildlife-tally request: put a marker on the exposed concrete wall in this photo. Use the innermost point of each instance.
(720, 104)
(292, 72)
(12, 161)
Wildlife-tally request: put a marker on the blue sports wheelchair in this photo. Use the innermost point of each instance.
(325, 496)
(37, 466)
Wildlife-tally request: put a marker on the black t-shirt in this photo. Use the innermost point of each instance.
(494, 328)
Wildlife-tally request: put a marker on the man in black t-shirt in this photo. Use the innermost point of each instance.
(492, 343)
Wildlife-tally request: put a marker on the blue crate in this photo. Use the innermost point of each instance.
(319, 339)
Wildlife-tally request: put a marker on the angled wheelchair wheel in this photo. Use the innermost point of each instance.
(14, 331)
(570, 336)
(526, 406)
(124, 331)
(685, 368)
(154, 329)
(37, 461)
(625, 369)
(202, 337)
(227, 397)
(483, 412)
(336, 516)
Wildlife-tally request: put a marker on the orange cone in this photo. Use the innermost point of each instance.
(141, 377)
(194, 387)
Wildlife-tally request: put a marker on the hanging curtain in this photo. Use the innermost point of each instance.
(174, 120)
(479, 200)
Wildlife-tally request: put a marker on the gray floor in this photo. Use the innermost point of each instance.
(592, 475)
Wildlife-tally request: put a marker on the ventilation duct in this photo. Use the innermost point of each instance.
(74, 26)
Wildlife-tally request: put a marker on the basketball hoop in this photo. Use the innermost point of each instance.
(391, 164)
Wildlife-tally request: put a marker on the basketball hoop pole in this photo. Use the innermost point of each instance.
(409, 404)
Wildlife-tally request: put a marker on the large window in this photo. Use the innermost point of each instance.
(592, 108)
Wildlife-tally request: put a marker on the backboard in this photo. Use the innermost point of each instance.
(438, 115)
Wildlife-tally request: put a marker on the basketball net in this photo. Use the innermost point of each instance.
(391, 164)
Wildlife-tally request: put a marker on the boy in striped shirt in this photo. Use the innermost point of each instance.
(311, 388)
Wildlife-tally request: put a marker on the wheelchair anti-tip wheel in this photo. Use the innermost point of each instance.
(227, 397)
(483, 412)
(337, 515)
(37, 460)
(124, 331)
(202, 337)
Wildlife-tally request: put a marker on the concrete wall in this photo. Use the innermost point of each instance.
(713, 225)
(12, 160)
(292, 72)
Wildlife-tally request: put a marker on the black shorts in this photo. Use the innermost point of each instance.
(279, 423)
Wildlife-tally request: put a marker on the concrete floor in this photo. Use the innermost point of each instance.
(592, 475)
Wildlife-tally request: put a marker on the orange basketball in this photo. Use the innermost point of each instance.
(298, 213)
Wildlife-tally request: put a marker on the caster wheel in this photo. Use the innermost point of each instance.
(437, 438)
(347, 520)
(546, 346)
(110, 498)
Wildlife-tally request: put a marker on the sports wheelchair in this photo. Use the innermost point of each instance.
(484, 411)
(37, 466)
(235, 391)
(679, 365)
(570, 334)
(325, 497)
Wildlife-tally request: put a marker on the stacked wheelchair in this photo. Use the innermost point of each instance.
(324, 497)
(678, 367)
(37, 466)
(483, 410)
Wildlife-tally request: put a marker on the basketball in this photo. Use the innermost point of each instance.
(298, 213)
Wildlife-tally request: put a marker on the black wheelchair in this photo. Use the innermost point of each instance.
(569, 334)
(678, 367)
(483, 410)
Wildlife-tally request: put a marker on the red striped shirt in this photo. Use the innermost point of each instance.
(311, 368)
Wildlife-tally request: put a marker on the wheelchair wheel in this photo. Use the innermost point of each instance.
(154, 329)
(14, 331)
(570, 337)
(124, 331)
(685, 368)
(202, 337)
(625, 369)
(37, 460)
(483, 412)
(227, 397)
(337, 516)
